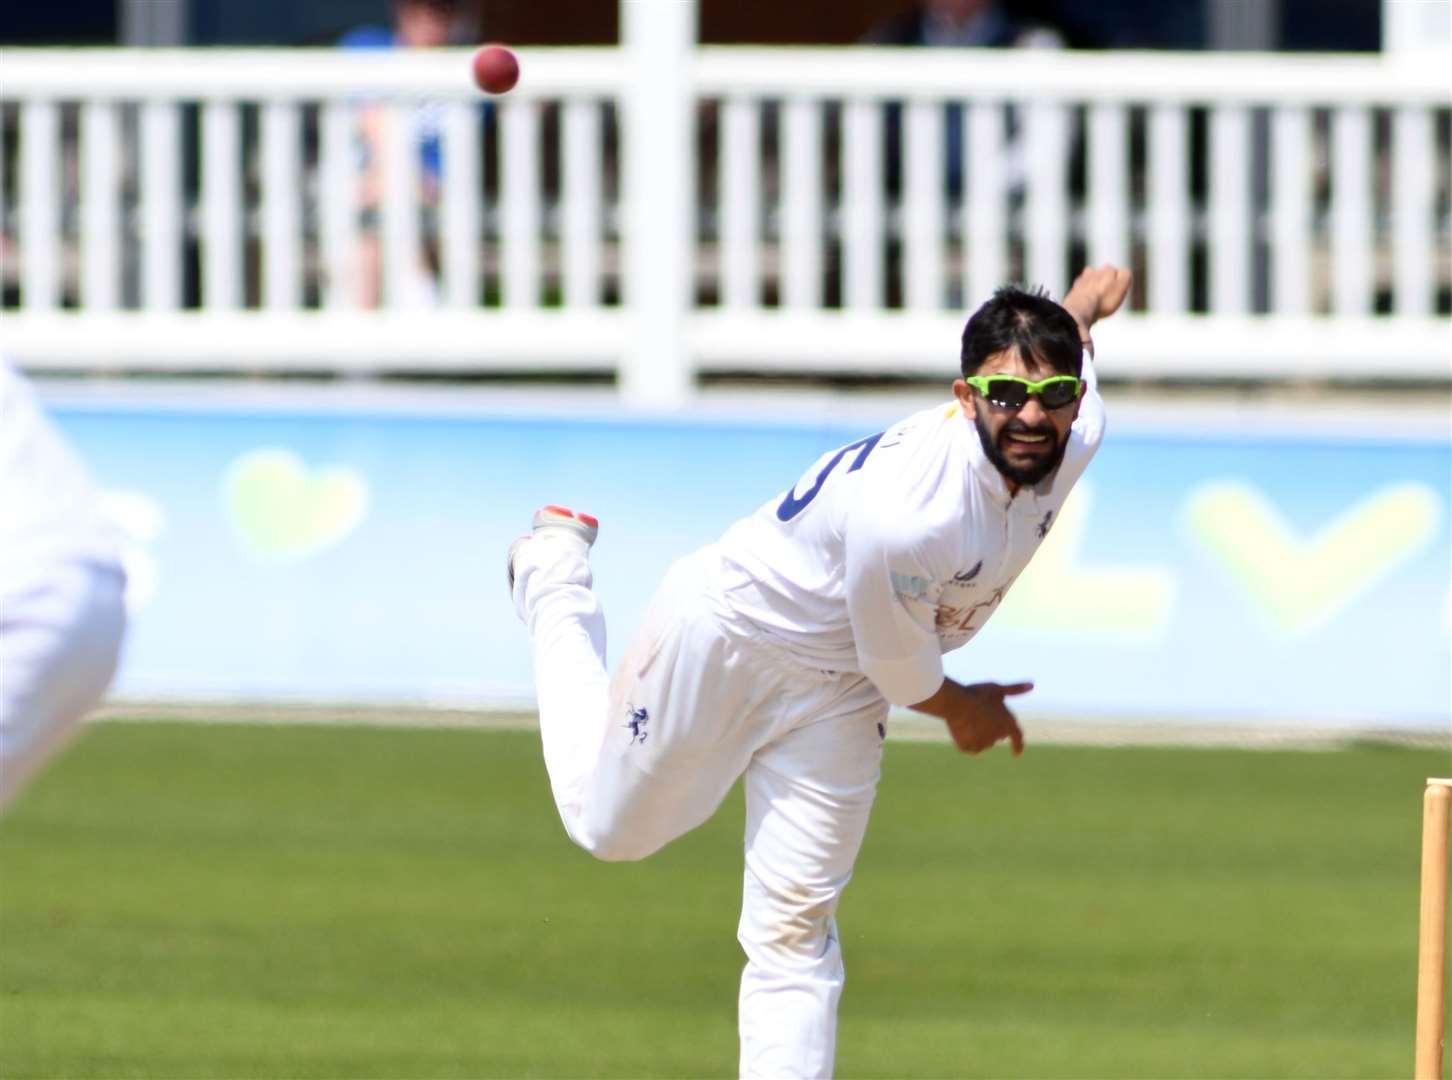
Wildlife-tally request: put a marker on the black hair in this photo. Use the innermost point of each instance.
(1028, 322)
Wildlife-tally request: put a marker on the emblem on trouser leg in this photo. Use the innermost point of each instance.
(638, 718)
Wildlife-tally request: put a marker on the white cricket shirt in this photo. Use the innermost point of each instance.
(896, 548)
(48, 506)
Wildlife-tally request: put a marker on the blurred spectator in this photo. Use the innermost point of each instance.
(958, 24)
(969, 23)
(417, 24)
(61, 589)
(962, 24)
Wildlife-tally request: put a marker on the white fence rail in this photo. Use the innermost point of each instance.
(1288, 217)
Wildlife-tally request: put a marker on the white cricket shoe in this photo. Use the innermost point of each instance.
(560, 520)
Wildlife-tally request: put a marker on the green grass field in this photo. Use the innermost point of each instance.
(217, 901)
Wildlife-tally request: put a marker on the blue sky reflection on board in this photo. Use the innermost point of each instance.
(358, 556)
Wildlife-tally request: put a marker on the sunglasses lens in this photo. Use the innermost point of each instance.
(1007, 393)
(1058, 394)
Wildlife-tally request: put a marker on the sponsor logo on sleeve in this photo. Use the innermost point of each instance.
(911, 586)
(955, 621)
(965, 577)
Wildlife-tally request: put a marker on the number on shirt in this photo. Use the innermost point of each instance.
(792, 505)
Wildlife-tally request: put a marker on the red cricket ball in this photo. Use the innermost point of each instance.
(495, 69)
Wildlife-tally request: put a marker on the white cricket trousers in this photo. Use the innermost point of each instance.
(60, 636)
(699, 700)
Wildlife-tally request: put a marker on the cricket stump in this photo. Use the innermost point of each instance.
(1432, 954)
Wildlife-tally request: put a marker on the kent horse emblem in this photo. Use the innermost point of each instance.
(638, 718)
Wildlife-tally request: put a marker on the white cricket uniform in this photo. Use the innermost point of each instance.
(61, 588)
(772, 655)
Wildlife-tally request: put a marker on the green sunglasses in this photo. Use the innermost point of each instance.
(1011, 392)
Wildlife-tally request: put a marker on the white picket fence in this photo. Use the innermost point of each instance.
(657, 213)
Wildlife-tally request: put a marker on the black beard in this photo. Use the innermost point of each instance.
(1024, 476)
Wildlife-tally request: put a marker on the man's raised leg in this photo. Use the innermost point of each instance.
(634, 765)
(550, 581)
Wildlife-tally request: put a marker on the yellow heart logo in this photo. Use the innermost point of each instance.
(1299, 584)
(281, 511)
(1058, 593)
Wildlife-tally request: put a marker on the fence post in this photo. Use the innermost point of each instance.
(660, 39)
(1409, 27)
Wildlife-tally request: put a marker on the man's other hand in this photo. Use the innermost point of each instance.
(1097, 293)
(976, 715)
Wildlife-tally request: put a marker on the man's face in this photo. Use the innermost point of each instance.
(422, 24)
(957, 11)
(1026, 444)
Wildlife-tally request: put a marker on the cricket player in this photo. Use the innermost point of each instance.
(61, 589)
(774, 654)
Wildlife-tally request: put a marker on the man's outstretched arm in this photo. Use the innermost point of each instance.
(1097, 293)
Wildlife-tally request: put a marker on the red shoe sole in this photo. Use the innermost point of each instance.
(565, 511)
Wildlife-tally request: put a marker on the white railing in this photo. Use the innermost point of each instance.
(828, 210)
